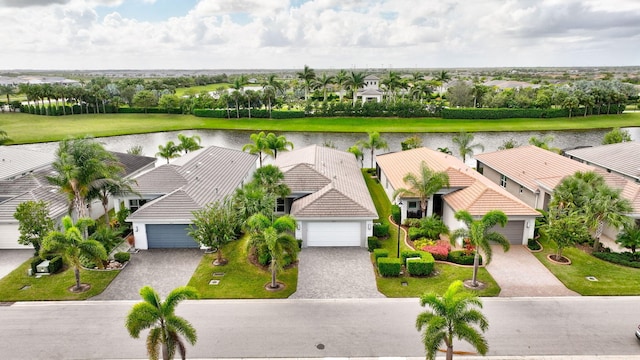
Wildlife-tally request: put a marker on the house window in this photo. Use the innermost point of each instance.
(135, 204)
(280, 205)
(412, 204)
(503, 181)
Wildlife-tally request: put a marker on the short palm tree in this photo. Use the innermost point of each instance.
(480, 235)
(165, 326)
(357, 152)
(277, 143)
(423, 185)
(452, 315)
(73, 246)
(375, 142)
(629, 238)
(276, 238)
(4, 138)
(189, 143)
(258, 145)
(168, 151)
(465, 147)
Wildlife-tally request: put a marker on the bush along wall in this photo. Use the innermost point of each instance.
(380, 253)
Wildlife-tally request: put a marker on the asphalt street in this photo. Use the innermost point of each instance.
(320, 328)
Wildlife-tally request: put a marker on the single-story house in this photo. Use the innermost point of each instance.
(329, 197)
(621, 159)
(531, 173)
(468, 190)
(24, 179)
(171, 192)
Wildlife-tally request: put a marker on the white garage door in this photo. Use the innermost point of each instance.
(333, 233)
(9, 235)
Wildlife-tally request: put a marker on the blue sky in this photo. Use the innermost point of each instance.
(324, 34)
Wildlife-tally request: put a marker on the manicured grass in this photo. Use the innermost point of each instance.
(445, 274)
(612, 279)
(26, 128)
(198, 89)
(241, 280)
(52, 287)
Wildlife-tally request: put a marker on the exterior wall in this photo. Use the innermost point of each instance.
(448, 217)
(140, 235)
(513, 187)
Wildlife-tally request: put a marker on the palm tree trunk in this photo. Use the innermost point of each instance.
(449, 352)
(273, 274)
(476, 264)
(105, 205)
(76, 272)
(596, 242)
(165, 351)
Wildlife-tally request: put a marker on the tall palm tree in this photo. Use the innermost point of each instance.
(375, 142)
(73, 246)
(340, 80)
(271, 86)
(323, 82)
(276, 238)
(307, 75)
(165, 326)
(442, 77)
(480, 234)
(189, 143)
(354, 82)
(424, 185)
(168, 151)
(277, 143)
(465, 147)
(258, 145)
(452, 315)
(105, 189)
(4, 137)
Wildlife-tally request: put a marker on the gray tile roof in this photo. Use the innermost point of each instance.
(623, 158)
(134, 163)
(332, 177)
(191, 182)
(16, 161)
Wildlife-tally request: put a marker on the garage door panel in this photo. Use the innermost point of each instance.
(163, 236)
(512, 231)
(334, 234)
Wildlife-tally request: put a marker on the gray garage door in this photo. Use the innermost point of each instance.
(160, 236)
(513, 231)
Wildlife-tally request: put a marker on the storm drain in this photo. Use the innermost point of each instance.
(591, 278)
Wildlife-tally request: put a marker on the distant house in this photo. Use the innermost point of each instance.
(622, 159)
(371, 90)
(531, 174)
(329, 198)
(468, 190)
(23, 178)
(171, 192)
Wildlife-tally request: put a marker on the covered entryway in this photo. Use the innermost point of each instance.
(164, 236)
(513, 231)
(334, 233)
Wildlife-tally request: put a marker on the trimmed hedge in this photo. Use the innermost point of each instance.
(55, 264)
(151, 110)
(380, 253)
(461, 258)
(381, 230)
(389, 266)
(122, 257)
(482, 113)
(625, 258)
(373, 243)
(422, 267)
(244, 113)
(395, 213)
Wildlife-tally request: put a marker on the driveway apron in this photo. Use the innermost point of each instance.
(519, 273)
(11, 259)
(335, 273)
(162, 269)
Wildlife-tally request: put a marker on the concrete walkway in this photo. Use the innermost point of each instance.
(11, 259)
(335, 273)
(519, 273)
(162, 269)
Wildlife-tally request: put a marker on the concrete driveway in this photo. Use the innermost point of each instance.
(162, 269)
(11, 259)
(519, 273)
(335, 273)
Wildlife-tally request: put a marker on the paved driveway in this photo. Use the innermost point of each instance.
(519, 273)
(11, 259)
(335, 273)
(162, 269)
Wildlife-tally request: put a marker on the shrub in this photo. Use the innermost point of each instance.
(381, 230)
(416, 233)
(380, 253)
(55, 264)
(122, 257)
(395, 213)
(532, 244)
(34, 263)
(264, 258)
(420, 243)
(461, 258)
(626, 258)
(439, 250)
(433, 226)
(389, 266)
(485, 113)
(411, 222)
(409, 254)
(373, 243)
(422, 267)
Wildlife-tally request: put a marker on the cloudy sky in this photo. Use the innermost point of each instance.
(325, 34)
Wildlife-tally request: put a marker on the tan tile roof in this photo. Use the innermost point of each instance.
(333, 179)
(477, 194)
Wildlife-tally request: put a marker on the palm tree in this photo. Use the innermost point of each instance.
(375, 142)
(275, 238)
(4, 138)
(424, 185)
(165, 326)
(464, 140)
(271, 179)
(452, 315)
(479, 233)
(7, 90)
(307, 75)
(357, 152)
(442, 77)
(105, 189)
(323, 82)
(271, 86)
(629, 238)
(258, 145)
(168, 151)
(277, 143)
(543, 143)
(354, 82)
(189, 143)
(73, 246)
(340, 80)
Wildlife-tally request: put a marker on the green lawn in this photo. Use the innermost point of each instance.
(241, 279)
(198, 89)
(445, 274)
(26, 128)
(612, 279)
(52, 287)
